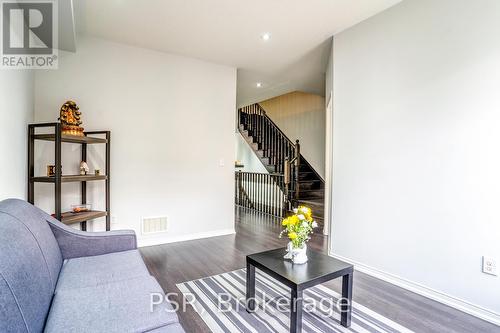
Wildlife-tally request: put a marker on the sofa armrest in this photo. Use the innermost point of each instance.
(75, 243)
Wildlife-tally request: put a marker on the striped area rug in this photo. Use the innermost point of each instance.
(220, 301)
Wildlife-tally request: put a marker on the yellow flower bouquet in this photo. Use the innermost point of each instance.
(298, 227)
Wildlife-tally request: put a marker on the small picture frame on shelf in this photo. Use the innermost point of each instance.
(51, 170)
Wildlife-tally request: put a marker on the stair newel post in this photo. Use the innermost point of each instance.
(247, 117)
(285, 201)
(297, 169)
(264, 133)
(267, 134)
(261, 118)
(273, 151)
(256, 116)
(239, 118)
(250, 118)
(242, 118)
(259, 123)
(245, 181)
(283, 154)
(254, 121)
(261, 129)
(278, 153)
(238, 187)
(287, 181)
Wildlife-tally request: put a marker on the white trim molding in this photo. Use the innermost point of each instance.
(150, 241)
(454, 302)
(328, 166)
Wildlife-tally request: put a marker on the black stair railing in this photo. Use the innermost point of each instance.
(275, 147)
(273, 143)
(262, 192)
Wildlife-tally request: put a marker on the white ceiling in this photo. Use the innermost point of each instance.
(228, 32)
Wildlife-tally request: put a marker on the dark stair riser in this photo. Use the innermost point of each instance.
(311, 194)
(311, 185)
(307, 176)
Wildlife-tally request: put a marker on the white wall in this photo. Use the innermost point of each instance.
(16, 111)
(172, 123)
(416, 143)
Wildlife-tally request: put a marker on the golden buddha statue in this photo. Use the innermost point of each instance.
(70, 119)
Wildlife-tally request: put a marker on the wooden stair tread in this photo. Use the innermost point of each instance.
(312, 202)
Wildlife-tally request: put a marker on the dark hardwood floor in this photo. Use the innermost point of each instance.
(184, 261)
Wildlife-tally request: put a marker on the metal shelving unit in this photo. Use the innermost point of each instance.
(58, 138)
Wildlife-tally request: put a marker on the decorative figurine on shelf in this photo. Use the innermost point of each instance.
(51, 170)
(84, 168)
(97, 172)
(70, 119)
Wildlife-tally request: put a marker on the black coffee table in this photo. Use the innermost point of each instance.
(319, 269)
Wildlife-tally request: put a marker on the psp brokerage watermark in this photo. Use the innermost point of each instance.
(29, 34)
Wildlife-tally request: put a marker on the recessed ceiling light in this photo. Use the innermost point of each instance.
(266, 36)
(258, 84)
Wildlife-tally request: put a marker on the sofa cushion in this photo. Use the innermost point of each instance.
(97, 270)
(122, 306)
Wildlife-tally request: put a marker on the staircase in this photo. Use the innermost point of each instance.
(302, 185)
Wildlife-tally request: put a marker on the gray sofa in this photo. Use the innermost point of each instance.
(57, 279)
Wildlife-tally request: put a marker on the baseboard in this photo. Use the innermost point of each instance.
(454, 302)
(165, 239)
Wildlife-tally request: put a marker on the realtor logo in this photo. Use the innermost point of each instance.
(29, 34)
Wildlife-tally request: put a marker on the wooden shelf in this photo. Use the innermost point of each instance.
(70, 138)
(70, 217)
(69, 178)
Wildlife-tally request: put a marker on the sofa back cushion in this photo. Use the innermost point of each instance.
(30, 261)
